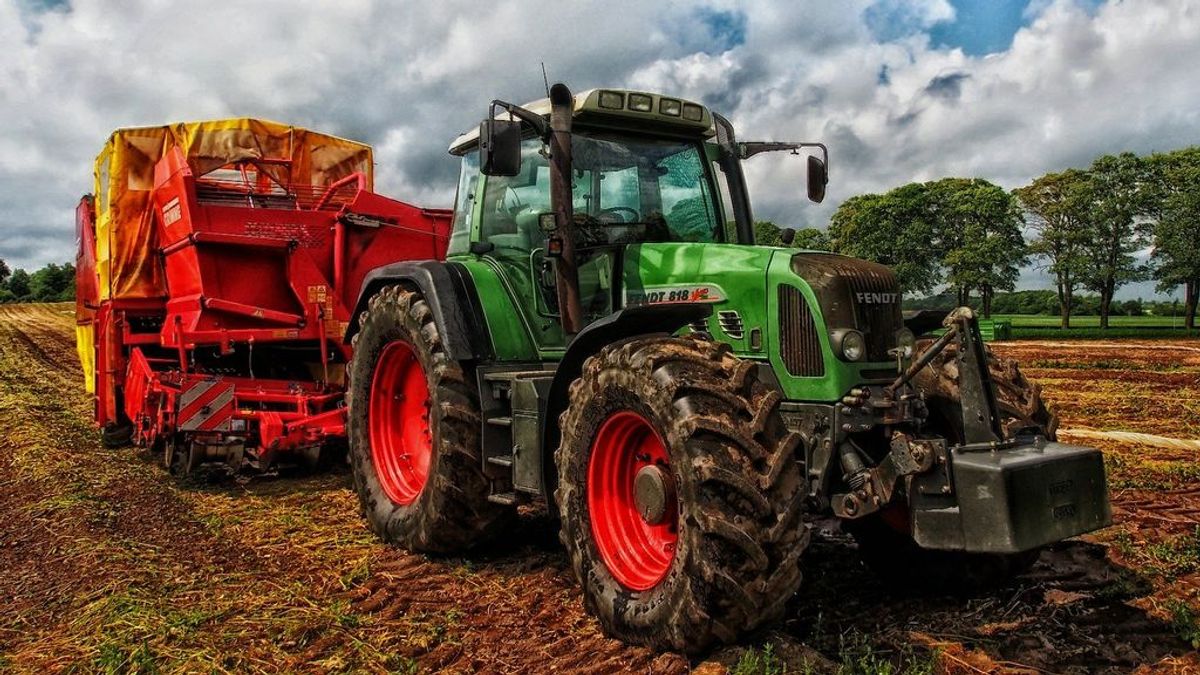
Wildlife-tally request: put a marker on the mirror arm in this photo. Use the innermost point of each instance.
(539, 124)
(750, 149)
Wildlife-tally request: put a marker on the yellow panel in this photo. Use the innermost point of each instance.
(85, 341)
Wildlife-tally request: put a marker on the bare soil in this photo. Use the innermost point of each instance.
(108, 564)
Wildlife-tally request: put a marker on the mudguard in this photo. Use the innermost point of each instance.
(450, 292)
(620, 325)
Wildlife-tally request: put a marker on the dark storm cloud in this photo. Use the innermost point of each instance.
(408, 78)
(947, 87)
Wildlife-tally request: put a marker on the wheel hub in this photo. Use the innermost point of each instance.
(398, 419)
(631, 501)
(653, 490)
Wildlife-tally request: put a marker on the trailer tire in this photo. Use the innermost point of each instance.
(884, 541)
(688, 411)
(448, 510)
(116, 435)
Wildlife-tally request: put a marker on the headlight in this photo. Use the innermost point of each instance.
(850, 344)
(907, 342)
(640, 103)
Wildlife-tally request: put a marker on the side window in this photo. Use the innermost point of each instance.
(687, 197)
(511, 204)
(460, 233)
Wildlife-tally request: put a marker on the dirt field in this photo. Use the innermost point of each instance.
(107, 564)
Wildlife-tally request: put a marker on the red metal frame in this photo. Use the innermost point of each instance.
(247, 265)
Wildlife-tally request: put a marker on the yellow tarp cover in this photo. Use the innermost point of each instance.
(126, 251)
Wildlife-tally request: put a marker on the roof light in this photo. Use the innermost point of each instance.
(669, 106)
(641, 103)
(692, 112)
(613, 100)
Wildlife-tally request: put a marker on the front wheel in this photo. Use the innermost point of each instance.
(681, 492)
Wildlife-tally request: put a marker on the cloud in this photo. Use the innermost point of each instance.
(1079, 80)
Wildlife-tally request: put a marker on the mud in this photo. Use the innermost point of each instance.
(107, 563)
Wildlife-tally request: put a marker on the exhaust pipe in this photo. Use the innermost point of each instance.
(570, 311)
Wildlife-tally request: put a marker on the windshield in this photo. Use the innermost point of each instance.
(626, 190)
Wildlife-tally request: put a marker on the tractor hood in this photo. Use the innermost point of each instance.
(780, 305)
(732, 278)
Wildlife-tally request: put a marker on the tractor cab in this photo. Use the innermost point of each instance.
(641, 170)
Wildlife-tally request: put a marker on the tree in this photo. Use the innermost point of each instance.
(1056, 208)
(4, 272)
(812, 239)
(896, 229)
(18, 284)
(48, 283)
(979, 228)
(1175, 209)
(767, 233)
(1117, 193)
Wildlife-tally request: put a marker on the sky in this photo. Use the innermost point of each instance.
(900, 91)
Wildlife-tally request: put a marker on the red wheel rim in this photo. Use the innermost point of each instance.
(398, 420)
(637, 553)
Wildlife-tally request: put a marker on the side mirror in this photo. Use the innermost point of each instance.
(818, 178)
(787, 235)
(500, 147)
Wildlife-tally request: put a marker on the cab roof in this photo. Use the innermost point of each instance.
(618, 105)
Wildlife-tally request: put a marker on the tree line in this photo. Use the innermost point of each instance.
(52, 283)
(1087, 225)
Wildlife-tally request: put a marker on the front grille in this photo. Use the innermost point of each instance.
(878, 321)
(799, 344)
(855, 294)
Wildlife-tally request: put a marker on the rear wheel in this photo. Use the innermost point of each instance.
(414, 432)
(680, 491)
(884, 539)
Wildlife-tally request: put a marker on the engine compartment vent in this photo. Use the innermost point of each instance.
(731, 324)
(799, 343)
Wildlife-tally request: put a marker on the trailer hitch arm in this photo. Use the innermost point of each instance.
(926, 357)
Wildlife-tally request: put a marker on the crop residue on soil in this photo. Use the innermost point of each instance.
(107, 563)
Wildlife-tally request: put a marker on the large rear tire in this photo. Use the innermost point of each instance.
(681, 493)
(414, 433)
(884, 540)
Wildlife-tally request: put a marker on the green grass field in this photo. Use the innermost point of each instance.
(1046, 321)
(1027, 326)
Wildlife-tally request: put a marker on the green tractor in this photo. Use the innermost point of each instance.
(682, 399)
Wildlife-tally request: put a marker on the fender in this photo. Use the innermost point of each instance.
(450, 292)
(621, 325)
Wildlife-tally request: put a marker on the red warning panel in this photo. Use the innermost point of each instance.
(206, 405)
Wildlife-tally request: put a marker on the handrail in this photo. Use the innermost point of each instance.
(357, 176)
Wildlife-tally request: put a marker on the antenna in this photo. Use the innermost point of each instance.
(545, 79)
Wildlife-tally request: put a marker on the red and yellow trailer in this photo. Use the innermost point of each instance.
(218, 266)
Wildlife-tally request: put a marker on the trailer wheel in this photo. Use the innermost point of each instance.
(884, 540)
(681, 494)
(414, 432)
(116, 435)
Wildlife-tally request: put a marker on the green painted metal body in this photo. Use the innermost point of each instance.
(745, 277)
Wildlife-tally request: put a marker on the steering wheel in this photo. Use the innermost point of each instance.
(616, 210)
